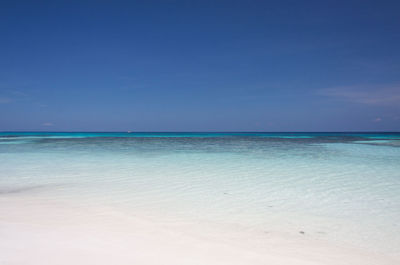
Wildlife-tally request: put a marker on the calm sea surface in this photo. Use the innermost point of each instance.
(341, 186)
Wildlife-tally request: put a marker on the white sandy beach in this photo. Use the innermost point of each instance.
(38, 231)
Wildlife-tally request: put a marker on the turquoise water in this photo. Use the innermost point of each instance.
(343, 187)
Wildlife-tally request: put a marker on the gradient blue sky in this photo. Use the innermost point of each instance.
(200, 65)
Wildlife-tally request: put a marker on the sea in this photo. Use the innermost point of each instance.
(342, 187)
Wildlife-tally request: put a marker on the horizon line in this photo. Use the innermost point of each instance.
(38, 131)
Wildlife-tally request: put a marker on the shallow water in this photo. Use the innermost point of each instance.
(344, 187)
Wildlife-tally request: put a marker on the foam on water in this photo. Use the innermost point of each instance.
(344, 187)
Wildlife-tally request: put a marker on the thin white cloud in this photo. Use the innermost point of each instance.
(377, 120)
(11, 96)
(47, 124)
(5, 100)
(370, 95)
(19, 93)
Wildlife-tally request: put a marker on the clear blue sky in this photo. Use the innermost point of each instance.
(200, 65)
